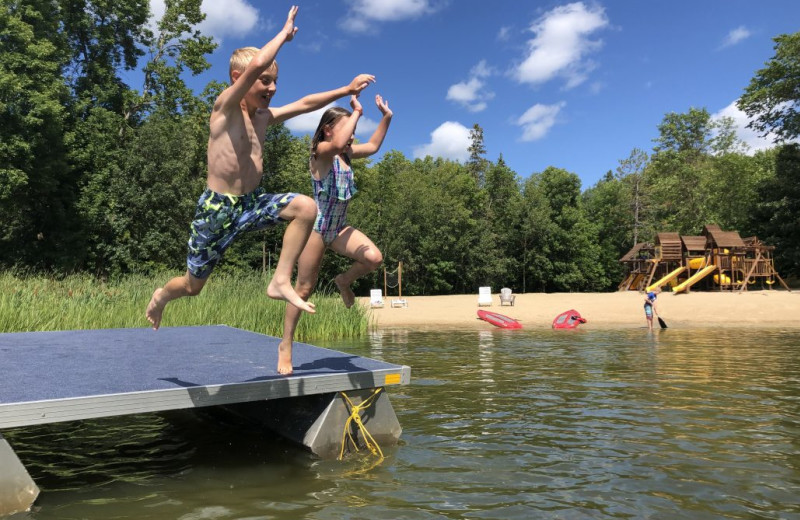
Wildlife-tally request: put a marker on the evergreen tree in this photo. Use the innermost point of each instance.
(477, 163)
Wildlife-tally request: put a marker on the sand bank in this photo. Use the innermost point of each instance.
(756, 309)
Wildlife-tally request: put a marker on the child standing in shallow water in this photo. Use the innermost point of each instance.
(650, 307)
(234, 201)
(332, 150)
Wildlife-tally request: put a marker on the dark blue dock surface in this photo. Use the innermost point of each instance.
(82, 374)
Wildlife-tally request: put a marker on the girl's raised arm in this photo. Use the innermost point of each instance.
(374, 144)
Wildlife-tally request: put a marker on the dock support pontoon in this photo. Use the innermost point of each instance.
(318, 421)
(18, 491)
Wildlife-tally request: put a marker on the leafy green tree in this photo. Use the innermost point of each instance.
(36, 194)
(536, 230)
(679, 163)
(772, 98)
(731, 185)
(503, 221)
(690, 133)
(174, 48)
(131, 150)
(425, 217)
(103, 38)
(608, 205)
(97, 154)
(447, 258)
(146, 206)
(567, 254)
(776, 218)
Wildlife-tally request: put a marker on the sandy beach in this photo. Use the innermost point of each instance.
(755, 309)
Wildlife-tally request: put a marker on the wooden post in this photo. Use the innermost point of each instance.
(750, 272)
(652, 272)
(781, 280)
(400, 280)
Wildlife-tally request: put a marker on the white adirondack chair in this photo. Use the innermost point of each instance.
(484, 296)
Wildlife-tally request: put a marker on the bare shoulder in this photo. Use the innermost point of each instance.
(320, 166)
(223, 109)
(227, 100)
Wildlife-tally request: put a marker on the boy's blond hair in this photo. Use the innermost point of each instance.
(241, 57)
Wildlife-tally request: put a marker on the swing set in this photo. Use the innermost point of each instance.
(394, 279)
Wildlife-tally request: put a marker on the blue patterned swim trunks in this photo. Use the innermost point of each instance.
(219, 218)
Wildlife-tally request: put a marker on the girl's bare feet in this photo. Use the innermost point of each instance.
(348, 296)
(285, 359)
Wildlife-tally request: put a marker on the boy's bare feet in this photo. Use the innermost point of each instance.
(285, 291)
(155, 308)
(348, 296)
(285, 359)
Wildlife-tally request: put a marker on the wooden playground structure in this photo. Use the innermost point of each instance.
(721, 259)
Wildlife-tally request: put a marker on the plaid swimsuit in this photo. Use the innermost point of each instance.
(332, 194)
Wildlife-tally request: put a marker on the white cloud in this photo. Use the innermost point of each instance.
(562, 44)
(537, 120)
(364, 13)
(472, 93)
(482, 69)
(466, 93)
(748, 136)
(307, 123)
(504, 34)
(450, 141)
(735, 36)
(229, 18)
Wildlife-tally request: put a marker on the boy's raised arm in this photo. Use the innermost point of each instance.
(234, 94)
(316, 101)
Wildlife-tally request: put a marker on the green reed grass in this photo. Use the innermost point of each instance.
(36, 303)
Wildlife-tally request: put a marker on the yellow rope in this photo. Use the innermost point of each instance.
(355, 416)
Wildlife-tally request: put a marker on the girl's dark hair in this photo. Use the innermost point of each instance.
(329, 117)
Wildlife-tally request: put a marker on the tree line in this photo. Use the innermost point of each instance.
(100, 177)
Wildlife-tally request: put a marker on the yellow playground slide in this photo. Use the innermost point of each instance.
(696, 277)
(665, 280)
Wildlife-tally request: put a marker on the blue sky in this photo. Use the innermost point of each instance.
(576, 85)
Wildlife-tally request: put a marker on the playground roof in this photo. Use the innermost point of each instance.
(668, 238)
(721, 238)
(694, 243)
(633, 254)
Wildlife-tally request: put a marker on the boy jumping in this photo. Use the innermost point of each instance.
(234, 201)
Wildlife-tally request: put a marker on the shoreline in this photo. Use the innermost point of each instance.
(751, 309)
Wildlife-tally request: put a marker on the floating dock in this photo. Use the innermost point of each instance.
(86, 374)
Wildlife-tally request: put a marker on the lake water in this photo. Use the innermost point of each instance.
(594, 424)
